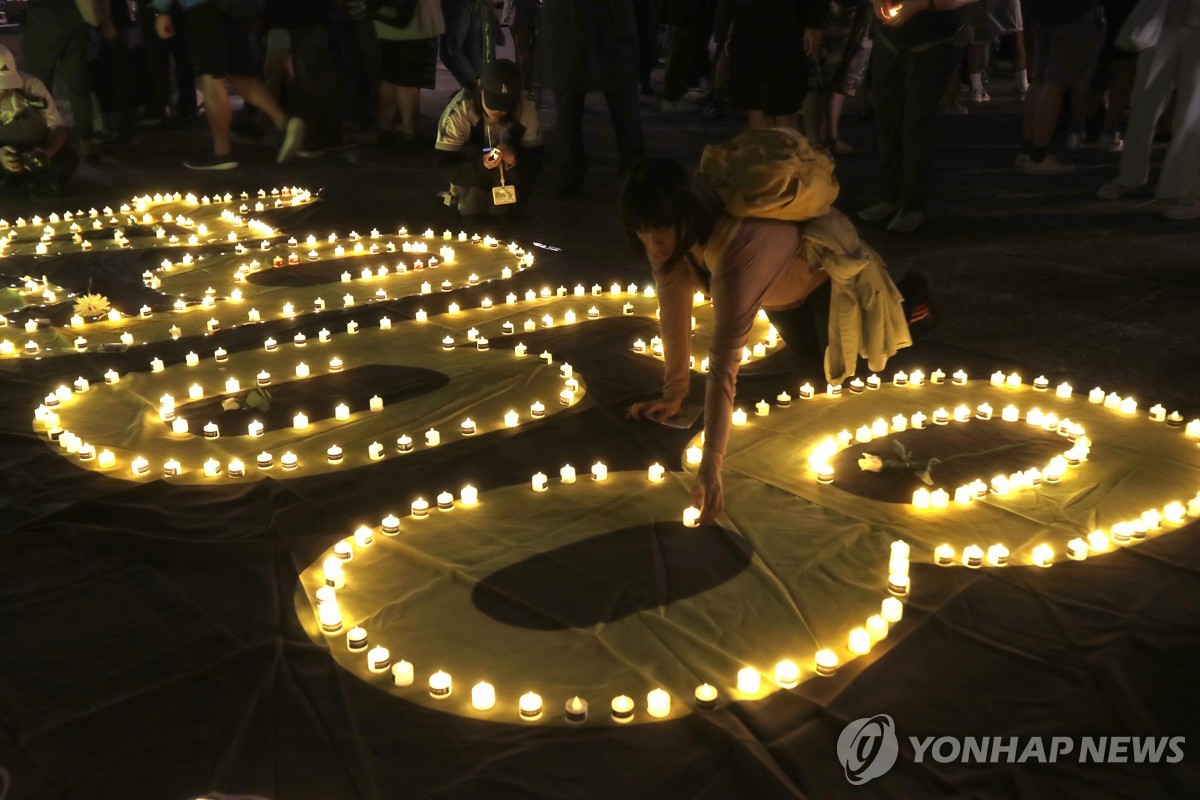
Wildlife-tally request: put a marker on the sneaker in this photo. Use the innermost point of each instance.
(1110, 142)
(1115, 191)
(679, 106)
(1075, 140)
(293, 140)
(878, 212)
(907, 221)
(311, 152)
(1047, 166)
(1184, 210)
(1020, 91)
(1021, 160)
(980, 96)
(210, 162)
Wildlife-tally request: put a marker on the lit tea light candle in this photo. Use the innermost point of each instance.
(860, 641)
(539, 482)
(706, 697)
(691, 517)
(1043, 555)
(997, 555)
(469, 496)
(622, 709)
(179, 426)
(787, 674)
(483, 696)
(599, 471)
(748, 681)
(537, 410)
(1193, 429)
(300, 421)
(440, 685)
(376, 403)
(892, 610)
(567, 474)
(921, 498)
(375, 451)
(694, 455)
(762, 408)
(658, 704)
(1010, 414)
(917, 421)
(379, 660)
(1158, 413)
(899, 423)
(943, 555)
(657, 473)
(1096, 395)
(529, 706)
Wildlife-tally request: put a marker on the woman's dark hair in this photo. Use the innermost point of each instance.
(662, 193)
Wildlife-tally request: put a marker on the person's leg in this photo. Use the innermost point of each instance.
(1181, 169)
(73, 72)
(457, 14)
(185, 73)
(928, 70)
(755, 118)
(315, 86)
(42, 44)
(887, 93)
(217, 112)
(408, 101)
(681, 47)
(626, 117)
(1119, 95)
(833, 115)
(255, 92)
(805, 328)
(1153, 84)
(523, 47)
(1045, 117)
(572, 160)
(389, 105)
(975, 71)
(646, 30)
(473, 43)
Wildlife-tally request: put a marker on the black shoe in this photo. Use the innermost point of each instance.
(210, 162)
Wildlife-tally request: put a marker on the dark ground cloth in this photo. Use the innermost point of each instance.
(149, 646)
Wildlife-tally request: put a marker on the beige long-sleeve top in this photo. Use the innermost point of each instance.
(747, 264)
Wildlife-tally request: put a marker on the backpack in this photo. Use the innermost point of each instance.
(770, 173)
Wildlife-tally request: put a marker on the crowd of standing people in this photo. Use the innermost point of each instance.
(1119, 75)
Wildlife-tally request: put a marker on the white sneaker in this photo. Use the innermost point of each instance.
(293, 140)
(1047, 166)
(980, 96)
(1115, 191)
(1074, 140)
(1184, 210)
(1110, 142)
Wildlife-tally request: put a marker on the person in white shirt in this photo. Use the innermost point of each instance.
(489, 136)
(33, 139)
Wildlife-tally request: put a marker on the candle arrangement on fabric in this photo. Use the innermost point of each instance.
(236, 285)
(1010, 404)
(345, 594)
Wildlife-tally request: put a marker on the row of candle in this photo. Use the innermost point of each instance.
(787, 673)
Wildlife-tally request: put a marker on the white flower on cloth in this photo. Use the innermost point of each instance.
(91, 305)
(870, 463)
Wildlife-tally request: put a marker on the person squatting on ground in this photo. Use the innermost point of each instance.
(826, 292)
(33, 140)
(488, 137)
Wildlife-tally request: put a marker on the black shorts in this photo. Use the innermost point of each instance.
(412, 62)
(220, 44)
